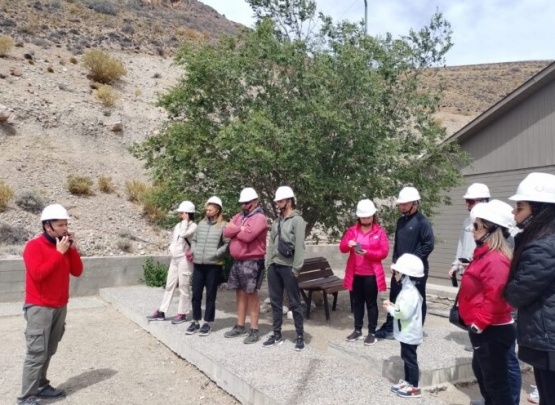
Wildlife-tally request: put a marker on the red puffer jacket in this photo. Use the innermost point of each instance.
(376, 244)
(480, 297)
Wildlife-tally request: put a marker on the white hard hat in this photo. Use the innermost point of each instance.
(215, 200)
(477, 191)
(284, 192)
(365, 209)
(410, 265)
(536, 187)
(496, 211)
(54, 211)
(408, 194)
(186, 206)
(248, 194)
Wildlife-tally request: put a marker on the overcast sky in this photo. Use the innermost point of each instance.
(484, 31)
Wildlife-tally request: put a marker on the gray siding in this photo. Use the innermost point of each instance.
(522, 138)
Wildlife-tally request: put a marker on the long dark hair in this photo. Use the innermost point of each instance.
(542, 225)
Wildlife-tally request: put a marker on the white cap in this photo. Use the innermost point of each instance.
(536, 187)
(248, 194)
(408, 194)
(496, 211)
(284, 192)
(186, 206)
(477, 191)
(365, 209)
(410, 265)
(215, 200)
(53, 212)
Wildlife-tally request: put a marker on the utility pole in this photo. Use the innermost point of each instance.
(366, 17)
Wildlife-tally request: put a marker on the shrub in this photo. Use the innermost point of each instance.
(6, 195)
(73, 60)
(135, 190)
(124, 245)
(30, 202)
(102, 7)
(155, 273)
(102, 67)
(6, 45)
(107, 95)
(10, 235)
(152, 213)
(105, 184)
(78, 185)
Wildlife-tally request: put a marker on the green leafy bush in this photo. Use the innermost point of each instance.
(155, 273)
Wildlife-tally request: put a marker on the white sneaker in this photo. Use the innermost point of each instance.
(399, 386)
(534, 396)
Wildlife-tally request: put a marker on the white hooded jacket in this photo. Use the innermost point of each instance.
(183, 230)
(407, 314)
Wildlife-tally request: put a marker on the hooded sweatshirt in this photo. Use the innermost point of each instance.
(293, 230)
(407, 314)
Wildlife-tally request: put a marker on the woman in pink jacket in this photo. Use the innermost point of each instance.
(367, 244)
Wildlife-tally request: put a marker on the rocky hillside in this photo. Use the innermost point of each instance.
(58, 127)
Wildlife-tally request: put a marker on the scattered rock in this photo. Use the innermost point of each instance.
(117, 127)
(16, 72)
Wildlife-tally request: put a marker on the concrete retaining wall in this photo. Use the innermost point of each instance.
(104, 272)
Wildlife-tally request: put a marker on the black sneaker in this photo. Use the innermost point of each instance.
(193, 328)
(205, 329)
(370, 340)
(179, 318)
(253, 337)
(384, 333)
(236, 331)
(273, 340)
(356, 335)
(157, 316)
(49, 391)
(28, 401)
(299, 344)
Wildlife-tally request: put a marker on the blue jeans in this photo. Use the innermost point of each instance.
(515, 379)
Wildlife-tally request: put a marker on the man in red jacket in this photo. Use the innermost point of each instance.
(247, 233)
(49, 261)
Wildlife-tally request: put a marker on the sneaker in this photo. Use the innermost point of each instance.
(370, 340)
(409, 392)
(193, 328)
(273, 340)
(356, 335)
(534, 396)
(205, 329)
(401, 384)
(28, 401)
(236, 331)
(179, 318)
(253, 337)
(49, 391)
(383, 333)
(157, 316)
(299, 344)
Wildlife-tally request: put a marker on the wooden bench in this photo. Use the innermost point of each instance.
(317, 275)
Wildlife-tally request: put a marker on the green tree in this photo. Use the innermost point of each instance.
(336, 114)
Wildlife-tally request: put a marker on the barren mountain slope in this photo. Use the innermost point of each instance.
(62, 129)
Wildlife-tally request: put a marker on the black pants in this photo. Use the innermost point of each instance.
(490, 363)
(281, 278)
(545, 381)
(205, 275)
(408, 354)
(365, 292)
(395, 289)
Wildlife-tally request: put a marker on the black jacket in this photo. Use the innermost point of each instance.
(532, 292)
(414, 235)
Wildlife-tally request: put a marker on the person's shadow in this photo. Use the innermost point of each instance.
(83, 380)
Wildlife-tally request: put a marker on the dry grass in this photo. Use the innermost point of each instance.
(135, 190)
(105, 184)
(102, 67)
(80, 185)
(107, 95)
(6, 195)
(6, 45)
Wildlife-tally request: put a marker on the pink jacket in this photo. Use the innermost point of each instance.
(376, 244)
(250, 242)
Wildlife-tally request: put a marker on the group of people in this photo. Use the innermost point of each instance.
(495, 281)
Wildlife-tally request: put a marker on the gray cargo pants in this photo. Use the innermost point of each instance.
(45, 328)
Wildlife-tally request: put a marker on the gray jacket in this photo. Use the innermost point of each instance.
(209, 245)
(293, 230)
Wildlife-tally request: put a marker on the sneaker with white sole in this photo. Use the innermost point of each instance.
(179, 318)
(273, 340)
(157, 316)
(356, 335)
(205, 329)
(370, 340)
(28, 401)
(193, 328)
(534, 396)
(401, 384)
(299, 344)
(409, 392)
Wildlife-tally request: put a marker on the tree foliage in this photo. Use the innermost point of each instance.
(336, 114)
